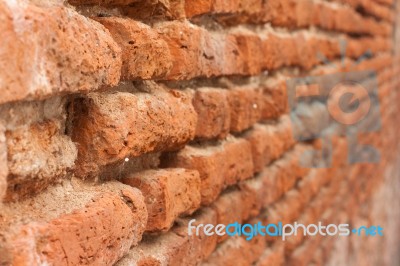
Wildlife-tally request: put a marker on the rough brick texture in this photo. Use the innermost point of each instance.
(168, 194)
(52, 49)
(121, 121)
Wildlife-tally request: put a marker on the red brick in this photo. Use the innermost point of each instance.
(282, 175)
(274, 99)
(253, 194)
(38, 155)
(168, 193)
(197, 7)
(293, 14)
(250, 46)
(184, 41)
(204, 54)
(212, 108)
(287, 209)
(111, 127)
(229, 207)
(219, 166)
(232, 60)
(201, 246)
(99, 233)
(175, 247)
(69, 54)
(144, 54)
(245, 105)
(269, 142)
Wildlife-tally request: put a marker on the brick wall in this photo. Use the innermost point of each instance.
(121, 120)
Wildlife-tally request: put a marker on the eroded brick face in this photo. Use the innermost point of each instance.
(121, 121)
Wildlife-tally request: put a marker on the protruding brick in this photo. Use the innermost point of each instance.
(219, 166)
(246, 105)
(212, 108)
(168, 194)
(38, 155)
(52, 50)
(110, 127)
(144, 54)
(101, 232)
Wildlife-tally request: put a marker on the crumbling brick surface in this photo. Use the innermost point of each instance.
(121, 121)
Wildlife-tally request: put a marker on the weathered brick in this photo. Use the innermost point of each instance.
(253, 194)
(274, 99)
(194, 8)
(219, 166)
(111, 127)
(293, 14)
(245, 106)
(168, 194)
(283, 174)
(201, 246)
(269, 142)
(100, 232)
(229, 207)
(52, 50)
(250, 46)
(206, 54)
(38, 155)
(144, 54)
(176, 246)
(212, 108)
(184, 41)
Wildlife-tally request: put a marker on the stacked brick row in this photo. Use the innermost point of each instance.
(121, 120)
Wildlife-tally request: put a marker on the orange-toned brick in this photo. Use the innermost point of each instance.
(269, 142)
(219, 166)
(168, 194)
(99, 233)
(274, 99)
(176, 246)
(70, 54)
(144, 54)
(245, 106)
(38, 155)
(111, 127)
(212, 108)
